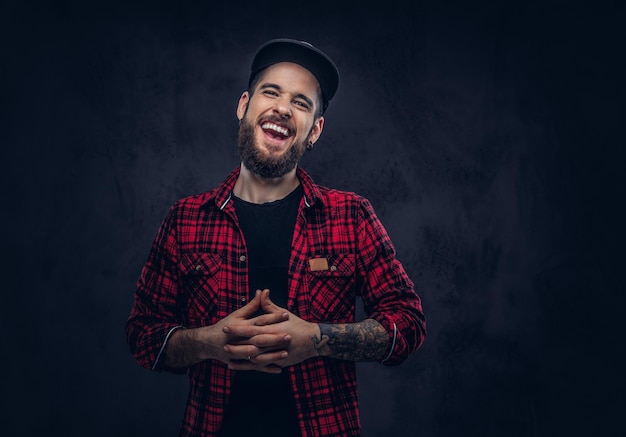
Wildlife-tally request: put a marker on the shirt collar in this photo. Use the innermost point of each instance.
(222, 194)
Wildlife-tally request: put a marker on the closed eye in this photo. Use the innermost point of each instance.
(303, 105)
(300, 100)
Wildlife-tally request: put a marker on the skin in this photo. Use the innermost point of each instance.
(288, 95)
(190, 346)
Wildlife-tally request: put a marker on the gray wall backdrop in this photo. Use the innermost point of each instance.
(486, 135)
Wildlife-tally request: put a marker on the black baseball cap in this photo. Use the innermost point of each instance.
(301, 53)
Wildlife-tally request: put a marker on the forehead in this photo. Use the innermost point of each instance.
(290, 77)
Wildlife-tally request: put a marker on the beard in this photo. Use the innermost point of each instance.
(267, 166)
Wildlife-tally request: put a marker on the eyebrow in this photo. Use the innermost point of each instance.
(278, 88)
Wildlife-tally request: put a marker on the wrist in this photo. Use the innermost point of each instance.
(190, 346)
(206, 342)
(319, 341)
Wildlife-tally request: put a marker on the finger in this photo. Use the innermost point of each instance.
(273, 357)
(270, 318)
(245, 331)
(251, 334)
(241, 352)
(265, 341)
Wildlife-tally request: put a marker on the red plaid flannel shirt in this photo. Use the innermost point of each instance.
(196, 274)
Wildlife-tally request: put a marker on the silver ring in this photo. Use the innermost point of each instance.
(249, 358)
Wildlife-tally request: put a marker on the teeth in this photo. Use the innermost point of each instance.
(276, 128)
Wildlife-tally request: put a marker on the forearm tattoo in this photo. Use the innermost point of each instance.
(363, 341)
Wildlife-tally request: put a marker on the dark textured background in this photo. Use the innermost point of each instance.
(486, 135)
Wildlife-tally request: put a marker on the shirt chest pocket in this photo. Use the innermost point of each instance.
(331, 284)
(201, 281)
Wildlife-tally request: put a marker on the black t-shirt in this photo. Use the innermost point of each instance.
(262, 403)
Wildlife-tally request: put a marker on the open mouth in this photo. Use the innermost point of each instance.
(275, 131)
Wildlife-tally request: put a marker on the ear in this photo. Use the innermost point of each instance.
(243, 104)
(316, 130)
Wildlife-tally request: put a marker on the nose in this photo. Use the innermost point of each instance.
(283, 106)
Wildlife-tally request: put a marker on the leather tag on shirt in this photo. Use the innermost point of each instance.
(318, 264)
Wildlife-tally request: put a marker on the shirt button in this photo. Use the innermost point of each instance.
(198, 267)
(333, 268)
(242, 258)
(243, 298)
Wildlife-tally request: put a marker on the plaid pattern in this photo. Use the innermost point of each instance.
(196, 274)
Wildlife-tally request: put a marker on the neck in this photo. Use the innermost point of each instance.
(255, 189)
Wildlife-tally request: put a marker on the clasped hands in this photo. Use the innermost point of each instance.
(267, 342)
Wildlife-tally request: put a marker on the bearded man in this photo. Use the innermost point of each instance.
(283, 366)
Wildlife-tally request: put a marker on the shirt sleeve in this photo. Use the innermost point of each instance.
(388, 293)
(155, 314)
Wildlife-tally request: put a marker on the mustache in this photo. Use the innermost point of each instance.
(282, 121)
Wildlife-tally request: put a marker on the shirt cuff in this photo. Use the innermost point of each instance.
(157, 363)
(393, 343)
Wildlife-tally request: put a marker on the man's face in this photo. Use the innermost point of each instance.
(278, 120)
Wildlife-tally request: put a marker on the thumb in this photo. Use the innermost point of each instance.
(251, 307)
(266, 303)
